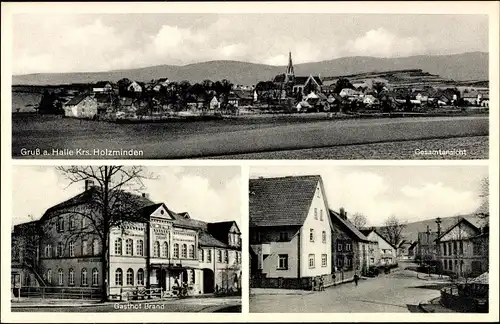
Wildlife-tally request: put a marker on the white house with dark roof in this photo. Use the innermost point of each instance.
(153, 247)
(290, 231)
(81, 106)
(386, 253)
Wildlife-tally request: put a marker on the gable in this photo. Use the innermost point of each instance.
(462, 230)
(234, 229)
(161, 212)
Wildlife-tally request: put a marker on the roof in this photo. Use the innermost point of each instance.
(281, 201)
(77, 99)
(461, 220)
(101, 84)
(244, 94)
(280, 78)
(346, 224)
(206, 239)
(103, 98)
(301, 79)
(482, 279)
(367, 232)
(219, 230)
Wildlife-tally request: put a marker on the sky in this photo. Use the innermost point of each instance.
(411, 193)
(103, 42)
(206, 193)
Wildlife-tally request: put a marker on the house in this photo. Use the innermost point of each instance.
(370, 100)
(81, 106)
(290, 231)
(485, 100)
(463, 249)
(426, 249)
(346, 92)
(386, 251)
(311, 83)
(406, 249)
(134, 87)
(351, 249)
(240, 98)
(102, 87)
(472, 97)
(155, 248)
(214, 103)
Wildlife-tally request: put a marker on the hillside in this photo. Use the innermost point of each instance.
(411, 230)
(458, 67)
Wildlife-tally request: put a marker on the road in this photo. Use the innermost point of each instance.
(226, 137)
(204, 305)
(400, 292)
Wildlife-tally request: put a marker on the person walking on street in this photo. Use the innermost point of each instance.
(356, 278)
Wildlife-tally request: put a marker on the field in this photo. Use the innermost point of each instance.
(219, 138)
(25, 101)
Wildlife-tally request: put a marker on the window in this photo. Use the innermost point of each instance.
(176, 251)
(283, 236)
(71, 223)
(164, 251)
(140, 248)
(219, 256)
(237, 257)
(450, 265)
(324, 260)
(60, 224)
(339, 246)
(444, 248)
(84, 279)
(130, 277)
(315, 213)
(476, 248)
(372, 260)
(321, 214)
(95, 277)
(60, 249)
(348, 262)
(84, 247)
(445, 265)
(60, 277)
(191, 277)
(323, 236)
(226, 256)
(348, 247)
(311, 235)
(71, 249)
(118, 246)
(118, 277)
(209, 256)
(49, 276)
(455, 247)
(95, 246)
(202, 255)
(283, 262)
(48, 251)
(140, 277)
(340, 263)
(311, 260)
(84, 222)
(191, 251)
(156, 249)
(184, 251)
(129, 247)
(461, 247)
(71, 277)
(317, 192)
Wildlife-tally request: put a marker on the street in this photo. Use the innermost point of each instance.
(399, 292)
(207, 305)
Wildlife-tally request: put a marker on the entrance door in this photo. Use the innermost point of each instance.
(208, 281)
(162, 278)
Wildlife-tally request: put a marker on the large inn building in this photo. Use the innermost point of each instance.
(155, 248)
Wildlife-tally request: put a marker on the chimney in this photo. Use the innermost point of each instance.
(88, 184)
(145, 195)
(342, 213)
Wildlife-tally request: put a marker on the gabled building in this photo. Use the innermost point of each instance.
(290, 231)
(386, 252)
(134, 87)
(102, 87)
(351, 249)
(153, 247)
(426, 245)
(463, 249)
(81, 106)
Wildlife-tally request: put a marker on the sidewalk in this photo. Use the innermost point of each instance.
(434, 306)
(277, 291)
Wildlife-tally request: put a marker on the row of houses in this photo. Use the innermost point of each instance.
(296, 237)
(156, 248)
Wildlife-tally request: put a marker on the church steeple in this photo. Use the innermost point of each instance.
(290, 73)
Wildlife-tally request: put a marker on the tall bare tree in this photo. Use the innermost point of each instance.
(393, 229)
(111, 205)
(358, 220)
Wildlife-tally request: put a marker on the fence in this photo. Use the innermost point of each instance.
(57, 292)
(452, 298)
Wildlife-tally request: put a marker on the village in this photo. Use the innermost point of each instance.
(300, 246)
(408, 91)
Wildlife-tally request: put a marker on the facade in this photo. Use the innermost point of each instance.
(134, 87)
(426, 245)
(290, 230)
(81, 106)
(385, 253)
(102, 87)
(154, 248)
(406, 250)
(463, 249)
(351, 249)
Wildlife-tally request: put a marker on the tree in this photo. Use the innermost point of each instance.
(123, 87)
(378, 88)
(112, 206)
(393, 229)
(358, 220)
(342, 83)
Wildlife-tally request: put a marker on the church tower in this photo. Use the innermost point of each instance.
(290, 73)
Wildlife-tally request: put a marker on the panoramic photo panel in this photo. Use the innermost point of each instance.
(126, 239)
(369, 239)
(250, 86)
